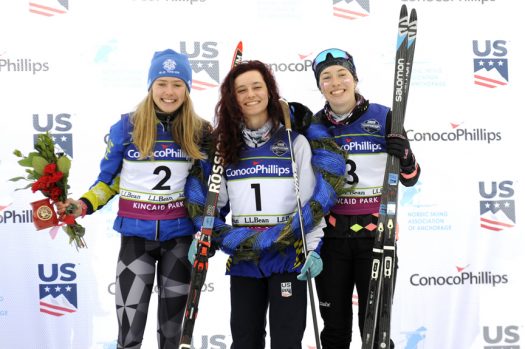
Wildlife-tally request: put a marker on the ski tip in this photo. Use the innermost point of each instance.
(237, 55)
(412, 27)
(403, 21)
(404, 11)
(413, 15)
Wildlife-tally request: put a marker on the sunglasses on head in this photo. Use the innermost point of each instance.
(334, 52)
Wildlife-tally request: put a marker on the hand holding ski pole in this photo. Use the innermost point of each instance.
(313, 266)
(193, 250)
(398, 145)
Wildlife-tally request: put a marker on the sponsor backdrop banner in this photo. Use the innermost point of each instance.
(72, 67)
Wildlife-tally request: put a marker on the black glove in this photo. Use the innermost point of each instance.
(397, 145)
(301, 116)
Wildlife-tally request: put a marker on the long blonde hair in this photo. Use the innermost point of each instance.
(187, 128)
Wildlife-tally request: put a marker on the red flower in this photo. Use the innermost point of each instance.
(35, 186)
(55, 193)
(44, 181)
(50, 169)
(55, 177)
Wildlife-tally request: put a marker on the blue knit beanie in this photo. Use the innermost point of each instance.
(172, 64)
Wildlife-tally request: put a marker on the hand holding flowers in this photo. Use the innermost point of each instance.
(47, 171)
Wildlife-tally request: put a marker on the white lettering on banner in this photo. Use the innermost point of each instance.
(176, 204)
(149, 207)
(400, 79)
(353, 201)
(361, 146)
(369, 200)
(259, 169)
(161, 154)
(157, 207)
(216, 176)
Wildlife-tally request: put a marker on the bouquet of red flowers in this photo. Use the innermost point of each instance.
(47, 172)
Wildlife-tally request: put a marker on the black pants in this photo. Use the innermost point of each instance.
(346, 264)
(137, 261)
(250, 298)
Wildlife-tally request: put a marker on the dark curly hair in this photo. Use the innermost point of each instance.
(228, 114)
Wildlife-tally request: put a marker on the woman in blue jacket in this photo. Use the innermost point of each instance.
(149, 154)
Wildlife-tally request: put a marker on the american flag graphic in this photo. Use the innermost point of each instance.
(351, 9)
(58, 299)
(491, 72)
(63, 142)
(497, 215)
(206, 74)
(48, 8)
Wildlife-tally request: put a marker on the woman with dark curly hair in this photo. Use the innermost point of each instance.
(267, 264)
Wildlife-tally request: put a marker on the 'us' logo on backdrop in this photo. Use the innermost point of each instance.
(57, 125)
(351, 9)
(496, 215)
(490, 65)
(48, 8)
(58, 293)
(204, 62)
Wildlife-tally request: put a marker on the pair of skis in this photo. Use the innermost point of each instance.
(381, 288)
(200, 264)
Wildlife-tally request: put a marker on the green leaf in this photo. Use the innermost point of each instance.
(26, 187)
(26, 162)
(64, 164)
(16, 179)
(39, 163)
(32, 174)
